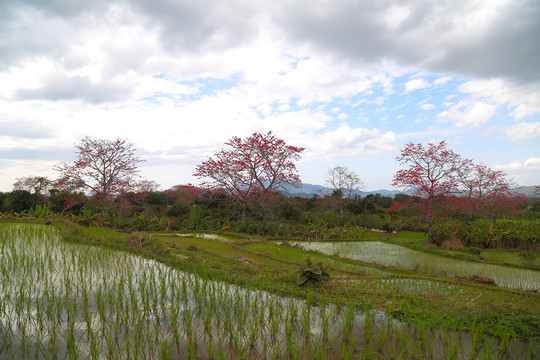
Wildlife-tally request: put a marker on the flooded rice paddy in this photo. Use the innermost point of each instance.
(60, 300)
(399, 256)
(204, 236)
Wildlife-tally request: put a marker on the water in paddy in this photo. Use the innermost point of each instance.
(204, 236)
(61, 300)
(395, 255)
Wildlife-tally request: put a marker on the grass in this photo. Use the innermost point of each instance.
(139, 306)
(297, 254)
(523, 258)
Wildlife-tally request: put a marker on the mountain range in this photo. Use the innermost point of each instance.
(309, 190)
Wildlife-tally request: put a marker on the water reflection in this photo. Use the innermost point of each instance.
(395, 255)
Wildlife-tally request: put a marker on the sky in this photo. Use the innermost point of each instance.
(352, 81)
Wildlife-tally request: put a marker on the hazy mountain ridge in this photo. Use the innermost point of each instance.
(527, 191)
(308, 190)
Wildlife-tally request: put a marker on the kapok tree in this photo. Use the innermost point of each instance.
(227, 172)
(105, 168)
(480, 187)
(253, 169)
(431, 172)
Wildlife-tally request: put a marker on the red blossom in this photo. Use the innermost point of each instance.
(104, 168)
(431, 173)
(252, 169)
(480, 187)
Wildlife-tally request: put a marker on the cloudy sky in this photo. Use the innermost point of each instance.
(349, 80)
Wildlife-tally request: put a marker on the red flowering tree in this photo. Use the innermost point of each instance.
(252, 169)
(482, 188)
(228, 172)
(432, 173)
(103, 168)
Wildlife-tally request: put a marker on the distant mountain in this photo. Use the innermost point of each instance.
(308, 190)
(527, 191)
(382, 192)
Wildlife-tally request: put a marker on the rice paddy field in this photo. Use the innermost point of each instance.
(64, 300)
(395, 255)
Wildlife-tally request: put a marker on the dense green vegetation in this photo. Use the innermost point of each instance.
(317, 218)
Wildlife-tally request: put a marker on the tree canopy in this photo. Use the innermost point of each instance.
(253, 168)
(343, 181)
(105, 168)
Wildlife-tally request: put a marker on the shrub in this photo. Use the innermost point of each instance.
(505, 233)
(177, 210)
(448, 229)
(22, 200)
(312, 273)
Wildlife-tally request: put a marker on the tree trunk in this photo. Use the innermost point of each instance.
(431, 239)
(243, 212)
(266, 214)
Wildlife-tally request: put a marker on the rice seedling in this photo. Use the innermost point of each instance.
(382, 336)
(395, 255)
(60, 300)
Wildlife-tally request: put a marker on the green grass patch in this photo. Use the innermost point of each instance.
(298, 255)
(524, 258)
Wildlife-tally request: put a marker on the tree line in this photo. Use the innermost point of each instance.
(242, 188)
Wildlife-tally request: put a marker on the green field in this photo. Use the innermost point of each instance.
(76, 292)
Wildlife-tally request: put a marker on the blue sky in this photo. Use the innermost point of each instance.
(351, 81)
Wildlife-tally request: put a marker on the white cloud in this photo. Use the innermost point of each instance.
(524, 172)
(395, 15)
(525, 98)
(527, 109)
(12, 169)
(467, 113)
(278, 66)
(427, 107)
(443, 80)
(416, 84)
(296, 122)
(347, 142)
(529, 164)
(524, 131)
(532, 163)
(379, 100)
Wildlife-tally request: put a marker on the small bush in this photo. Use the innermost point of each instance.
(178, 210)
(312, 273)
